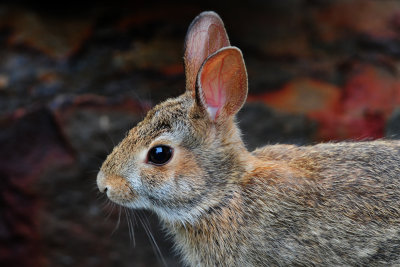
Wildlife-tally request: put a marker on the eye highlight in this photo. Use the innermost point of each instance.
(159, 155)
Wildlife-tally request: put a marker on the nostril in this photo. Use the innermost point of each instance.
(101, 182)
(103, 189)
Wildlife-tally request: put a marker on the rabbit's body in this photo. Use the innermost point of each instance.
(305, 206)
(328, 204)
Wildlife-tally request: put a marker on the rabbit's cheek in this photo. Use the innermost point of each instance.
(154, 177)
(176, 181)
(187, 177)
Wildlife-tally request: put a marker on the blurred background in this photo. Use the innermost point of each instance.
(75, 77)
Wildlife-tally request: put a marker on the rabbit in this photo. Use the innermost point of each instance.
(330, 204)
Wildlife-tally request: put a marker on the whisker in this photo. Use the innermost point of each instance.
(131, 215)
(118, 222)
(130, 227)
(109, 203)
(153, 242)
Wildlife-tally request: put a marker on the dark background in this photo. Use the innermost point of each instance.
(75, 77)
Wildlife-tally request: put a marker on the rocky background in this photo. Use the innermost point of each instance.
(74, 78)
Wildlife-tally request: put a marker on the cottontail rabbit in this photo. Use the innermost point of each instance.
(328, 204)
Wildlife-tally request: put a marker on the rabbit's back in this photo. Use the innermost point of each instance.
(335, 203)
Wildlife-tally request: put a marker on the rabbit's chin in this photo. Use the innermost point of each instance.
(183, 216)
(136, 203)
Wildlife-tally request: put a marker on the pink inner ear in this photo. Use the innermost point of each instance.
(223, 83)
(214, 91)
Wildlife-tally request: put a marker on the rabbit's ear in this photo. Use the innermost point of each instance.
(206, 35)
(222, 83)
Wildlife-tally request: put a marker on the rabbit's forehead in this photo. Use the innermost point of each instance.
(168, 120)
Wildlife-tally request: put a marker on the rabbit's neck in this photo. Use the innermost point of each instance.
(201, 243)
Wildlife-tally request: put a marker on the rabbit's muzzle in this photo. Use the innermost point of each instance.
(116, 187)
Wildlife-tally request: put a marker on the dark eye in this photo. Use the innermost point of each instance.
(159, 155)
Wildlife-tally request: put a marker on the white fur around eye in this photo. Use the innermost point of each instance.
(171, 139)
(142, 155)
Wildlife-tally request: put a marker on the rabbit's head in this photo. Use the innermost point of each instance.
(186, 156)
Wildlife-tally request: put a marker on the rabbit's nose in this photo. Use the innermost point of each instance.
(116, 187)
(101, 182)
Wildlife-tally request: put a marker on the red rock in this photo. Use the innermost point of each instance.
(301, 96)
(368, 98)
(365, 17)
(342, 126)
(357, 111)
(371, 90)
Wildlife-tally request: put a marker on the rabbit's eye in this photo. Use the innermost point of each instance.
(159, 155)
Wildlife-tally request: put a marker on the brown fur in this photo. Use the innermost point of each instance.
(281, 205)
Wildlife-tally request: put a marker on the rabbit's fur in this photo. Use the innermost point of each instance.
(328, 204)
